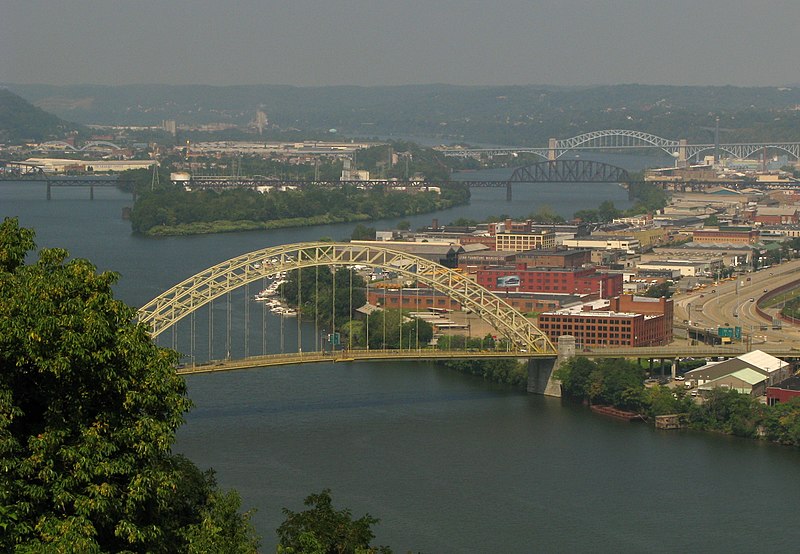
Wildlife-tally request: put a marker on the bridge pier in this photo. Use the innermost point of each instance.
(49, 194)
(551, 149)
(91, 192)
(540, 370)
(508, 191)
(682, 161)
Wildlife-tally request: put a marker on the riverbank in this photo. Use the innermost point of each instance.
(228, 226)
(502, 372)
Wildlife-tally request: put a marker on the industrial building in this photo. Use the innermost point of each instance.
(598, 324)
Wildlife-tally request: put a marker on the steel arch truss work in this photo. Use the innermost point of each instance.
(569, 171)
(184, 298)
(616, 138)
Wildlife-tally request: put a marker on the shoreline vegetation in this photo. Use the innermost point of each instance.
(174, 211)
(228, 226)
(620, 383)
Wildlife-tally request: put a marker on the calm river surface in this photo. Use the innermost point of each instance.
(449, 463)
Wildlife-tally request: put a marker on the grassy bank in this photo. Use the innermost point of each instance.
(226, 226)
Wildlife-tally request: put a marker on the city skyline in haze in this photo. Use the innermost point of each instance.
(370, 43)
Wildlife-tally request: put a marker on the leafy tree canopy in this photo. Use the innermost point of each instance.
(321, 529)
(89, 406)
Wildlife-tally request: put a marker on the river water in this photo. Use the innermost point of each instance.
(448, 462)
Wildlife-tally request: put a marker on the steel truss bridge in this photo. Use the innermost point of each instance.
(625, 139)
(22, 171)
(559, 171)
(551, 171)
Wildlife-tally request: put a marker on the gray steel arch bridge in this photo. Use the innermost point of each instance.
(622, 139)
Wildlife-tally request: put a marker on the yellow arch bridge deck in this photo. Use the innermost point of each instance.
(656, 352)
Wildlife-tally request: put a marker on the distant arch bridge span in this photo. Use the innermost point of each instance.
(186, 297)
(91, 145)
(623, 139)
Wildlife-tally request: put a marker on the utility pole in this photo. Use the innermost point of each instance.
(154, 179)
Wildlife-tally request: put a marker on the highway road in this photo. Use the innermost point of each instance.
(729, 304)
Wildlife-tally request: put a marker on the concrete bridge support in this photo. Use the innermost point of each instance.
(682, 160)
(551, 149)
(540, 370)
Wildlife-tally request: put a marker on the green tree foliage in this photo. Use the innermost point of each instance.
(325, 530)
(646, 197)
(729, 412)
(617, 382)
(312, 291)
(89, 406)
(21, 120)
(362, 232)
(505, 372)
(782, 423)
(659, 290)
(383, 330)
(620, 383)
(660, 400)
(545, 214)
(169, 207)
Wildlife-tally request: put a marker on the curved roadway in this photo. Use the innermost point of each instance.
(728, 304)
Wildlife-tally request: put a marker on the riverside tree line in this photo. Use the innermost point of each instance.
(620, 383)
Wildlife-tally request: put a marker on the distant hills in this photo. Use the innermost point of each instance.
(20, 120)
(514, 115)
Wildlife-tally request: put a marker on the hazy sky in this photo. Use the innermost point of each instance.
(378, 42)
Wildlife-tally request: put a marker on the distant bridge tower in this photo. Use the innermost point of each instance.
(682, 159)
(261, 121)
(552, 154)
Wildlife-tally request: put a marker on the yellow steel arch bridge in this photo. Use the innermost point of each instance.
(164, 311)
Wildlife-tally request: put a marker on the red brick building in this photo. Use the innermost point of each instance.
(478, 239)
(609, 328)
(726, 235)
(784, 391)
(571, 280)
(780, 215)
